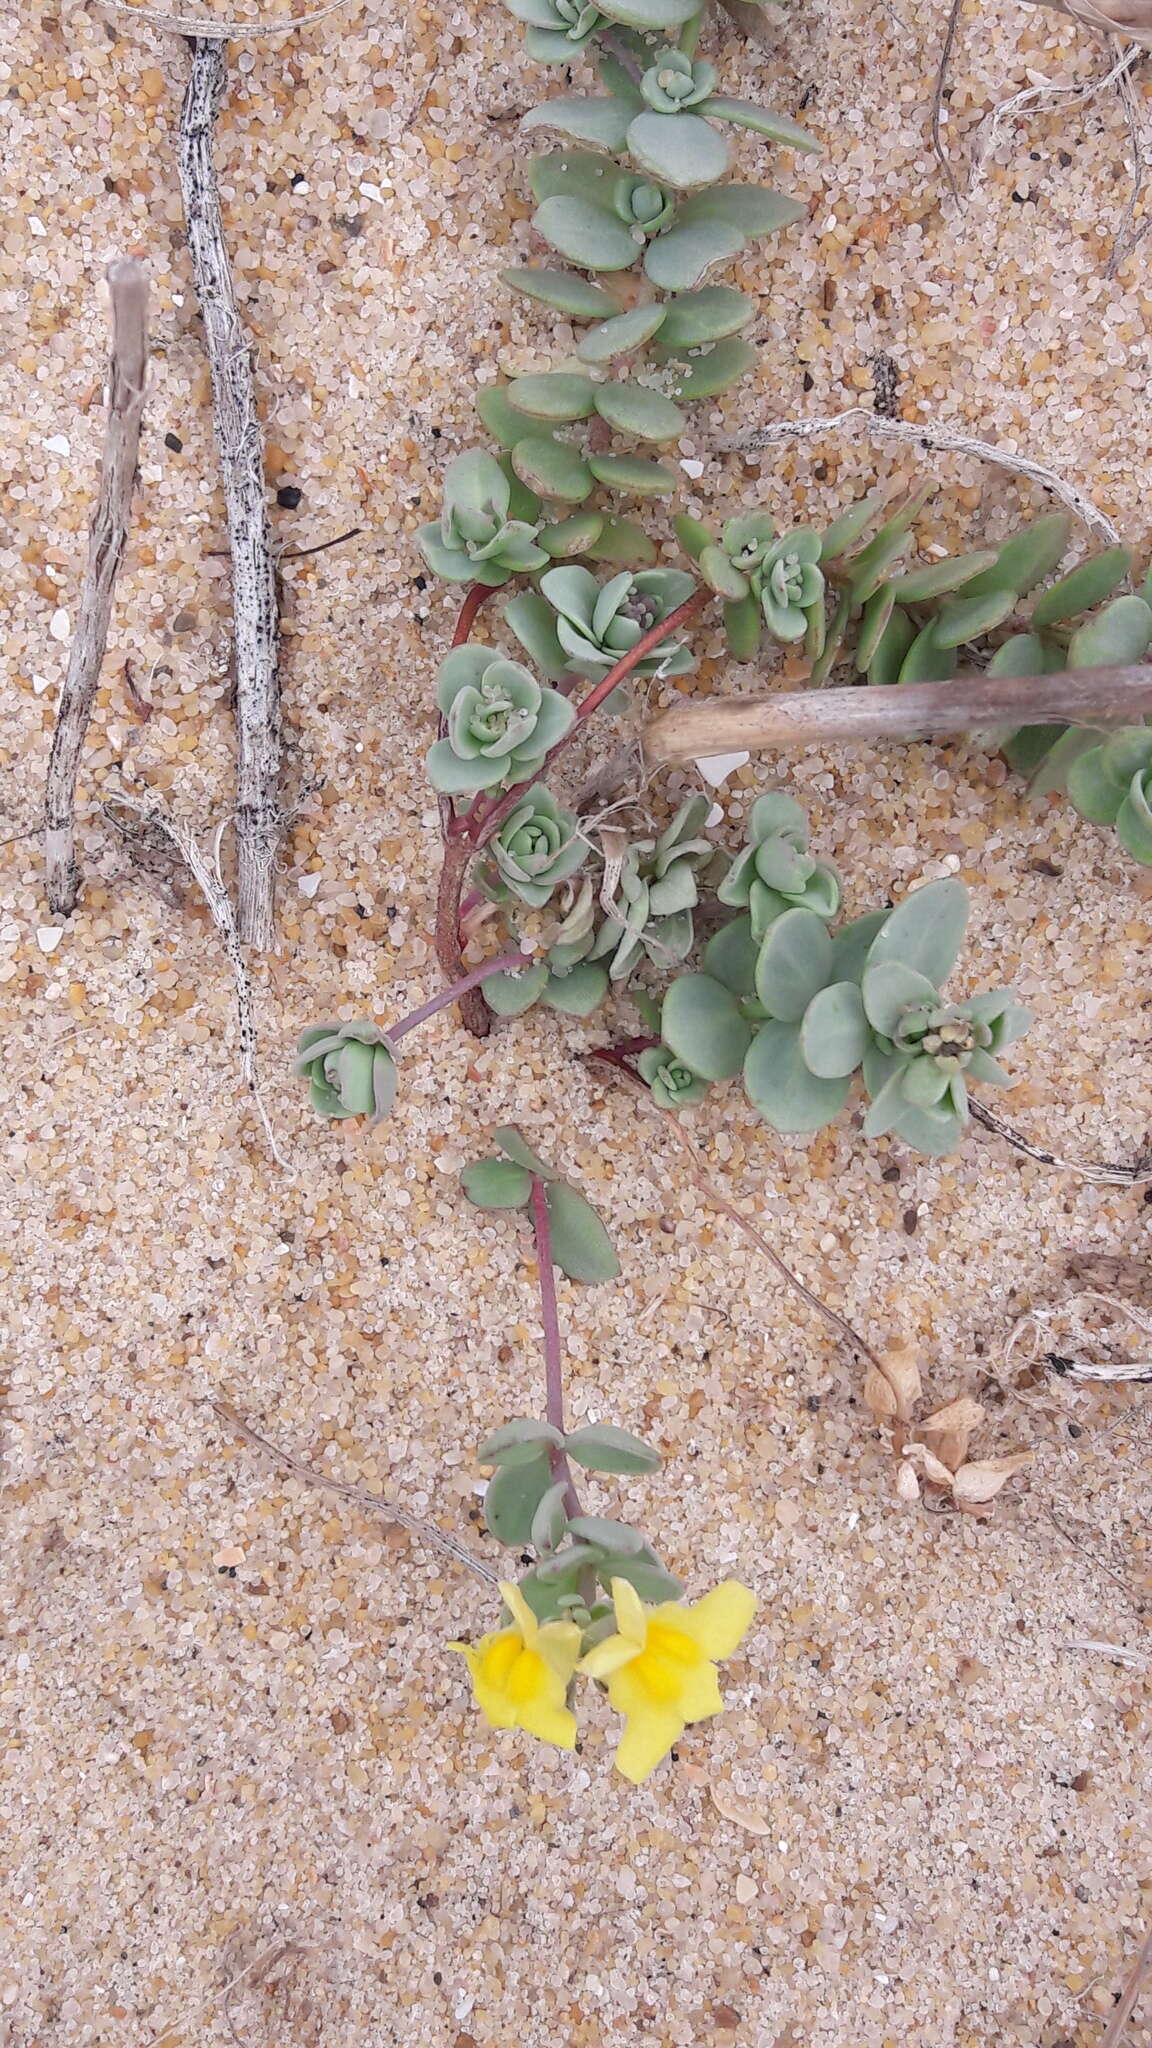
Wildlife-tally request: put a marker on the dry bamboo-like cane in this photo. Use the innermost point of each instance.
(971, 703)
(108, 533)
(240, 440)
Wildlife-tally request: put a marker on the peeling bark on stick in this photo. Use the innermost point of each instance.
(108, 532)
(240, 440)
(805, 718)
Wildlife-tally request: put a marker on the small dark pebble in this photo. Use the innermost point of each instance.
(174, 442)
(809, 382)
(1075, 1429)
(890, 1174)
(1045, 867)
(911, 1219)
(289, 496)
(296, 179)
(1064, 158)
(812, 1403)
(184, 622)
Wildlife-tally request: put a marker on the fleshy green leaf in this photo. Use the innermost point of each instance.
(550, 1522)
(926, 931)
(512, 1436)
(1025, 654)
(650, 14)
(509, 995)
(514, 1147)
(679, 149)
(936, 579)
(724, 363)
(762, 121)
(794, 964)
(1094, 790)
(1121, 633)
(578, 992)
(678, 259)
(701, 1022)
(834, 1031)
(709, 315)
(633, 475)
(622, 541)
(1028, 557)
(586, 234)
(573, 174)
(601, 1447)
(650, 1579)
(1134, 825)
(581, 1246)
(513, 1495)
(569, 537)
(731, 955)
(742, 620)
(556, 396)
(889, 988)
(850, 527)
(502, 420)
(1088, 584)
(554, 469)
(634, 409)
(614, 1537)
(850, 945)
(569, 294)
(621, 335)
(599, 120)
(874, 622)
(926, 661)
(720, 574)
(533, 621)
(496, 1184)
(779, 1084)
(754, 209)
(966, 618)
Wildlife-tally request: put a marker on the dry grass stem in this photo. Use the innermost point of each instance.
(374, 1504)
(928, 434)
(1116, 1175)
(108, 534)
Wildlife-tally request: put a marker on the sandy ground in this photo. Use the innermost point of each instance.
(245, 1795)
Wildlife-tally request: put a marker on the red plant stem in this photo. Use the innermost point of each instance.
(553, 1348)
(475, 1015)
(506, 963)
(477, 594)
(620, 1055)
(483, 823)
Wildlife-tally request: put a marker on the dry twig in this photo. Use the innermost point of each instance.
(373, 1503)
(1116, 1176)
(840, 1324)
(973, 703)
(240, 440)
(938, 149)
(1043, 97)
(225, 31)
(1126, 2005)
(210, 882)
(108, 533)
(928, 435)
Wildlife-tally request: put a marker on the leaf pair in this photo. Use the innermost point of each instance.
(581, 1246)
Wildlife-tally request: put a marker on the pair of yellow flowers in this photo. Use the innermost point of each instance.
(659, 1668)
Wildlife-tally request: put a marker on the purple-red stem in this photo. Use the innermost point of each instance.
(506, 963)
(553, 1349)
(483, 823)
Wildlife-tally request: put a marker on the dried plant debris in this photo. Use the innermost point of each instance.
(932, 1451)
(1090, 1336)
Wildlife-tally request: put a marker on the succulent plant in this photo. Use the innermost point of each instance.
(557, 29)
(776, 872)
(673, 82)
(351, 1068)
(648, 907)
(577, 623)
(1111, 784)
(802, 1011)
(499, 722)
(538, 846)
(788, 583)
(475, 540)
(673, 1085)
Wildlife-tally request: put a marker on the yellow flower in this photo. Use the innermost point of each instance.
(520, 1675)
(660, 1670)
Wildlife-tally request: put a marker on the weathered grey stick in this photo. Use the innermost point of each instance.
(107, 534)
(972, 703)
(240, 440)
